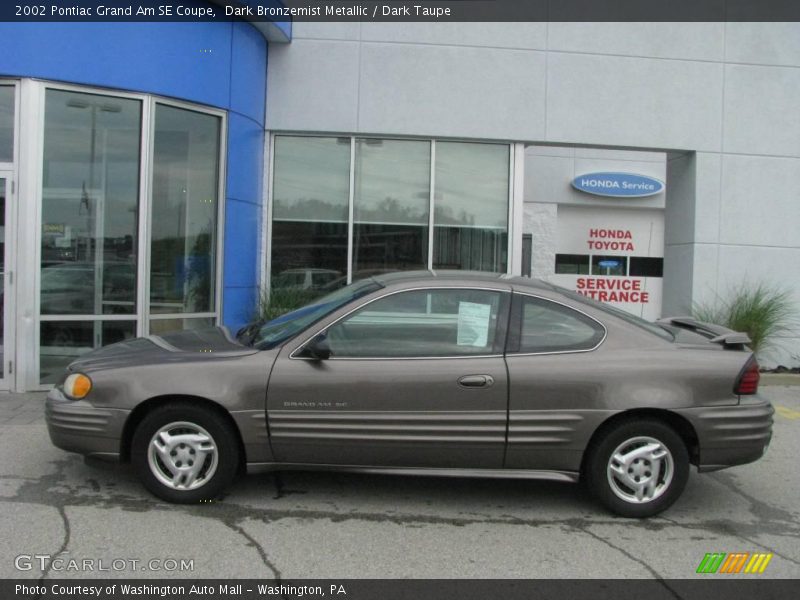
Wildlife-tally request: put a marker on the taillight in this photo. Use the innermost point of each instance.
(748, 379)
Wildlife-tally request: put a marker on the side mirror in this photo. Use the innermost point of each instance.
(318, 348)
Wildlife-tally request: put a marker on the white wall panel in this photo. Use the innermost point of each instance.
(678, 267)
(697, 41)
(760, 201)
(653, 103)
(313, 85)
(761, 110)
(528, 36)
(763, 43)
(451, 91)
(332, 30)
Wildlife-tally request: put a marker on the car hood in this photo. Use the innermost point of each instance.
(175, 347)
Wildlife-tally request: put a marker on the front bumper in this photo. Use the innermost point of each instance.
(78, 426)
(731, 435)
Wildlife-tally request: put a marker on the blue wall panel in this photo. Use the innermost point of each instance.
(223, 65)
(248, 72)
(246, 152)
(241, 243)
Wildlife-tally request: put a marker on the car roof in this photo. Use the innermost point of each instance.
(454, 276)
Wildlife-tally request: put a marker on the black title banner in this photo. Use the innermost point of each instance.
(401, 10)
(711, 588)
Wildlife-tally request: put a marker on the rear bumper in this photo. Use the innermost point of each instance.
(731, 435)
(77, 426)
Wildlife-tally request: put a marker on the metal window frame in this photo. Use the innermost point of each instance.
(9, 171)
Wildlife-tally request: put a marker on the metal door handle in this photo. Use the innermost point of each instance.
(473, 381)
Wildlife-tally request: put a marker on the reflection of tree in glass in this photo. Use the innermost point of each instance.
(198, 270)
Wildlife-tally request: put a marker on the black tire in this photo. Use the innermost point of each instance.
(667, 483)
(213, 475)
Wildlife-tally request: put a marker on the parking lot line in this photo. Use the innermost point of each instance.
(787, 413)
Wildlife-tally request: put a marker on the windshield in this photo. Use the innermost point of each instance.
(620, 314)
(266, 335)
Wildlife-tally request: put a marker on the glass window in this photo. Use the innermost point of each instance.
(61, 342)
(184, 211)
(90, 198)
(645, 266)
(446, 322)
(572, 264)
(159, 326)
(471, 206)
(551, 327)
(311, 192)
(391, 202)
(6, 123)
(609, 265)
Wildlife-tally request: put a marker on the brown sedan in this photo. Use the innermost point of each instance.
(447, 373)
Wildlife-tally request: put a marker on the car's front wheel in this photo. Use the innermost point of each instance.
(638, 468)
(185, 453)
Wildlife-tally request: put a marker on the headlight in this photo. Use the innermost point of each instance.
(77, 386)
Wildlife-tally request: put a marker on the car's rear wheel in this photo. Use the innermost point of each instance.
(638, 468)
(184, 453)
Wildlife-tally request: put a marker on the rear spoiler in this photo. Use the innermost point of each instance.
(716, 333)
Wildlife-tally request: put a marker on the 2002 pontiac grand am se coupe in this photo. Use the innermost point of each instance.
(447, 373)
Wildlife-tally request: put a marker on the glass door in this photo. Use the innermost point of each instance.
(6, 280)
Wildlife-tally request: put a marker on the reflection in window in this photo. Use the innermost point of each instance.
(90, 199)
(392, 197)
(572, 264)
(609, 265)
(6, 123)
(310, 212)
(551, 327)
(61, 342)
(159, 326)
(421, 323)
(645, 266)
(184, 211)
(471, 206)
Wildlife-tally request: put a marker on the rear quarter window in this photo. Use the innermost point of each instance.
(546, 326)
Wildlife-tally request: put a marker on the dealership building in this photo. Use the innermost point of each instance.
(161, 176)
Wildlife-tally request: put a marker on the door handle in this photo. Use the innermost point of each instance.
(474, 381)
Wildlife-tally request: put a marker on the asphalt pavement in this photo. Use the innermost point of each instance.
(95, 520)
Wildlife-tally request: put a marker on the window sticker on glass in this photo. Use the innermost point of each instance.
(473, 324)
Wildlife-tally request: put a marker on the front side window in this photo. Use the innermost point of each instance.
(422, 323)
(266, 335)
(546, 326)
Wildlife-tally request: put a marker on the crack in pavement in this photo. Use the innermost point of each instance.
(758, 508)
(580, 525)
(259, 548)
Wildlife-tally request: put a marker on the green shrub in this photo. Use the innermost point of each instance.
(760, 310)
(280, 301)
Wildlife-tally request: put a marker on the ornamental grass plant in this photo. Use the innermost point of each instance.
(761, 310)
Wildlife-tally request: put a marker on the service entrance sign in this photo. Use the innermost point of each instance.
(613, 255)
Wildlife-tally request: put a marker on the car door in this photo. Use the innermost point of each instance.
(556, 377)
(416, 378)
